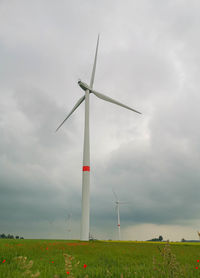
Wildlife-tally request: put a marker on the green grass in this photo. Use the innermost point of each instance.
(51, 259)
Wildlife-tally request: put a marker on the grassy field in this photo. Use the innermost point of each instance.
(98, 259)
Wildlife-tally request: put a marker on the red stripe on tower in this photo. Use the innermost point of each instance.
(118, 225)
(86, 168)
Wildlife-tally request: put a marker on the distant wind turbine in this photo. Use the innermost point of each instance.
(86, 149)
(117, 202)
(68, 221)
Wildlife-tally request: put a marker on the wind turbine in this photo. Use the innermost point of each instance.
(117, 202)
(68, 221)
(88, 89)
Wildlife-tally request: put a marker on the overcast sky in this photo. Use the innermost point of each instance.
(148, 59)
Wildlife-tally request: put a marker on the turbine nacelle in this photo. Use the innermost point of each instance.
(83, 85)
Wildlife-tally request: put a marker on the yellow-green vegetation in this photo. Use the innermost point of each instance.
(97, 259)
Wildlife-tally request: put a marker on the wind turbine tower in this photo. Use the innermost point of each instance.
(117, 202)
(68, 220)
(88, 89)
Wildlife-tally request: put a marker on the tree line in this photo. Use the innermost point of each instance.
(10, 236)
(160, 238)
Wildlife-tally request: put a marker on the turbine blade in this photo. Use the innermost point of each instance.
(74, 108)
(101, 96)
(115, 195)
(124, 202)
(94, 66)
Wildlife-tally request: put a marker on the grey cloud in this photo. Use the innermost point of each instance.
(148, 59)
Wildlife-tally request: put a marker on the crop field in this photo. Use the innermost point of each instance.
(98, 259)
